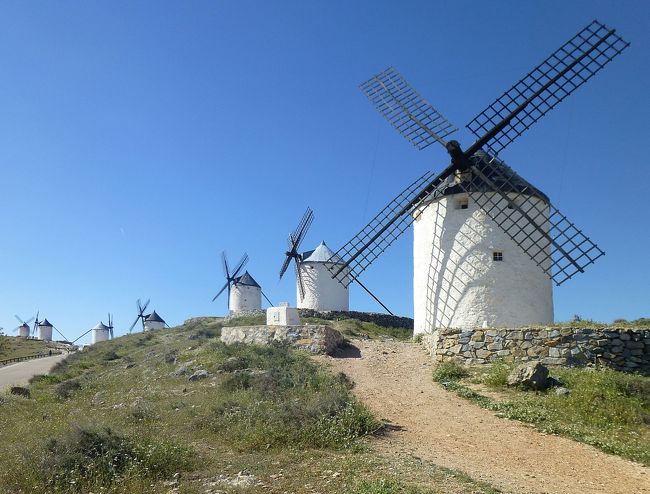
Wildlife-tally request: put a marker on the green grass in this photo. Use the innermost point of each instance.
(605, 408)
(640, 323)
(353, 328)
(116, 418)
(11, 347)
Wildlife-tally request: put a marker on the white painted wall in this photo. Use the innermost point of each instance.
(45, 333)
(457, 284)
(282, 316)
(245, 297)
(322, 292)
(153, 325)
(97, 335)
(23, 331)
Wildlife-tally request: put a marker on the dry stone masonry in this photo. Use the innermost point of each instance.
(621, 349)
(312, 338)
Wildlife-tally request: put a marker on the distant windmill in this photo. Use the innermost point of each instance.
(316, 287)
(487, 243)
(23, 330)
(100, 332)
(141, 314)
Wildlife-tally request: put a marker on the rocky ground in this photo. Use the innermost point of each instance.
(394, 380)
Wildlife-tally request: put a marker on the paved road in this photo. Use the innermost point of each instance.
(18, 374)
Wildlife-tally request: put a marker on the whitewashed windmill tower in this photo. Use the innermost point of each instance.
(102, 332)
(99, 333)
(153, 322)
(320, 291)
(487, 244)
(45, 330)
(244, 293)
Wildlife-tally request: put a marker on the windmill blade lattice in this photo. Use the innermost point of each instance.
(564, 71)
(554, 243)
(230, 276)
(293, 244)
(386, 227)
(411, 115)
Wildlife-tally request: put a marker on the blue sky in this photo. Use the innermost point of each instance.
(139, 139)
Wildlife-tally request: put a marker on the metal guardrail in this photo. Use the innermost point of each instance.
(26, 357)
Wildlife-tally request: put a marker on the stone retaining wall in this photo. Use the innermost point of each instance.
(622, 349)
(312, 338)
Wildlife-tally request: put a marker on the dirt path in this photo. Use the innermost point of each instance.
(19, 374)
(394, 380)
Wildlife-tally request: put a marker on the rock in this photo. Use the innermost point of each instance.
(20, 391)
(312, 338)
(199, 374)
(181, 371)
(530, 376)
(130, 365)
(562, 391)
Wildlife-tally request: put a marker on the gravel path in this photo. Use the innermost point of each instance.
(18, 374)
(394, 380)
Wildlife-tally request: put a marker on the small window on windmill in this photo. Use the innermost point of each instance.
(497, 255)
(462, 203)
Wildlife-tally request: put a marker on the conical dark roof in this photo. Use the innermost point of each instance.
(504, 177)
(45, 322)
(154, 317)
(246, 279)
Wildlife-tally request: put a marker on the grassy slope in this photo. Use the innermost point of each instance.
(11, 347)
(605, 408)
(291, 424)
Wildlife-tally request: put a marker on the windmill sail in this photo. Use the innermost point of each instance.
(554, 243)
(386, 227)
(410, 114)
(564, 71)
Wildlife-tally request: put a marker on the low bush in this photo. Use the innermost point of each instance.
(384, 486)
(449, 371)
(66, 389)
(275, 397)
(85, 458)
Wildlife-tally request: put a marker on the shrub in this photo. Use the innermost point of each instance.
(66, 389)
(449, 371)
(85, 458)
(285, 399)
(384, 486)
(497, 374)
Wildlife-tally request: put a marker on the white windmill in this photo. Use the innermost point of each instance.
(24, 330)
(153, 321)
(102, 332)
(45, 330)
(316, 287)
(319, 290)
(487, 244)
(244, 293)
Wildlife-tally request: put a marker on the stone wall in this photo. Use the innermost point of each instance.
(312, 338)
(622, 349)
(385, 320)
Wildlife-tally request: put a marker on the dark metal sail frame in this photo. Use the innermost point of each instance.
(566, 250)
(230, 276)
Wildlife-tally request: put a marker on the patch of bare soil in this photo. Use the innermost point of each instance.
(394, 380)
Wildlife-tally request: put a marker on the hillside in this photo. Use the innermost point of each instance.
(11, 347)
(126, 416)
